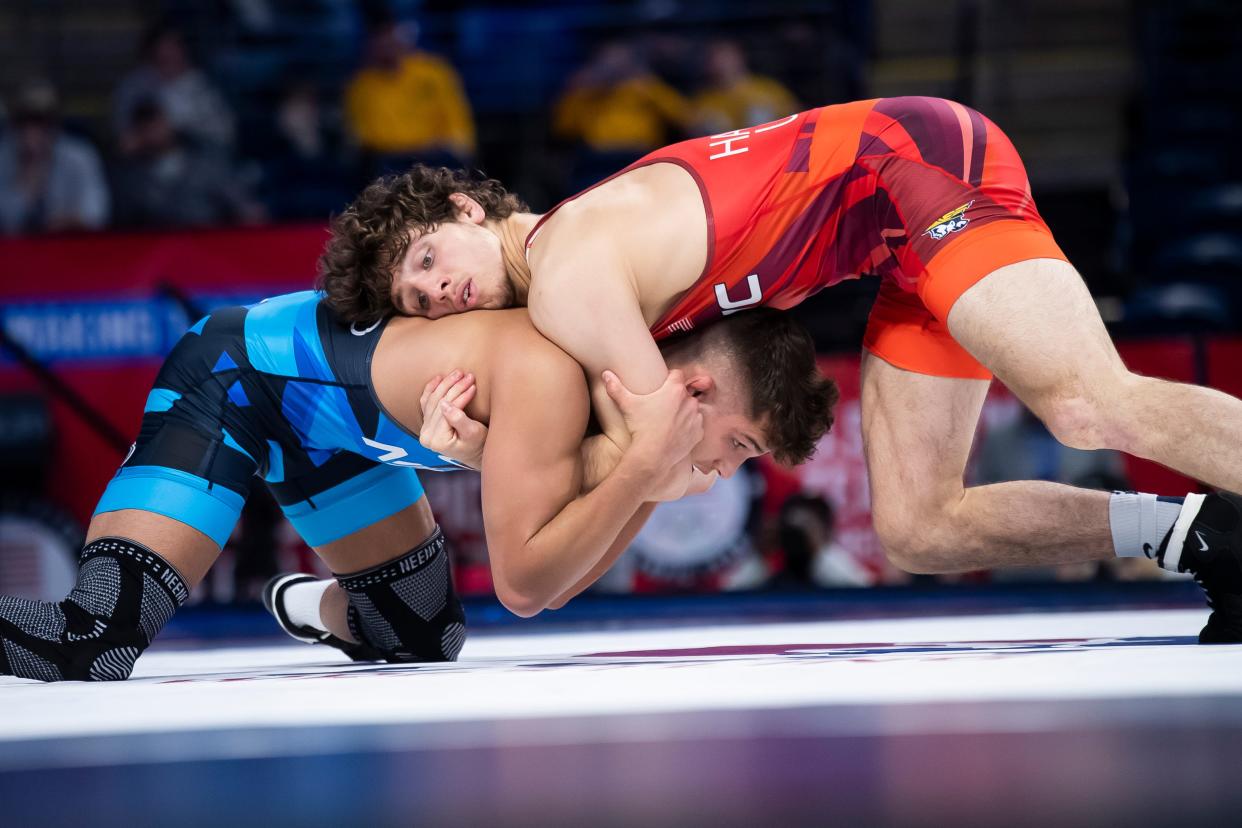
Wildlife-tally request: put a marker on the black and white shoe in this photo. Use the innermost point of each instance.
(1207, 542)
(273, 601)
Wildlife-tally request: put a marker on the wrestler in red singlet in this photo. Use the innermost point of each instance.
(925, 193)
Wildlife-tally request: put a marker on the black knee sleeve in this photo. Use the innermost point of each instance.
(407, 609)
(124, 595)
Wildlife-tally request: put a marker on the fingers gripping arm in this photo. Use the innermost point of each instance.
(447, 429)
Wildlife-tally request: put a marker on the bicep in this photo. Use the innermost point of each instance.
(532, 465)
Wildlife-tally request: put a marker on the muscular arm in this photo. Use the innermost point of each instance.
(599, 458)
(592, 312)
(543, 537)
(622, 543)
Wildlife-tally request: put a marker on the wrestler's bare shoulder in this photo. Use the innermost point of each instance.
(477, 332)
(650, 222)
(513, 340)
(498, 346)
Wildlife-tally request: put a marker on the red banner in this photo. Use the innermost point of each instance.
(93, 306)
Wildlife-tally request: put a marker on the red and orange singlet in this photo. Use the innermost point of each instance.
(927, 194)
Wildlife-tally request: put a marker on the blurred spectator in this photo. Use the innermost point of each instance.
(812, 557)
(735, 97)
(616, 110)
(305, 173)
(49, 181)
(162, 180)
(167, 74)
(406, 105)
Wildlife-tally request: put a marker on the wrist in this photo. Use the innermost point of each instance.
(643, 469)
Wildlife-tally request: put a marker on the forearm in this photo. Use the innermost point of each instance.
(605, 563)
(569, 547)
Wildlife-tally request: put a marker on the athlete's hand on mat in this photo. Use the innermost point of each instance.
(447, 429)
(665, 424)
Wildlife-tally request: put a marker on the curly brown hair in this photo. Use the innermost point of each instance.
(369, 239)
(776, 357)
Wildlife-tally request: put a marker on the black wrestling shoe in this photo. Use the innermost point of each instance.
(1211, 550)
(273, 602)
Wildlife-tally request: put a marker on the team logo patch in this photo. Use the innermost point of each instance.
(950, 222)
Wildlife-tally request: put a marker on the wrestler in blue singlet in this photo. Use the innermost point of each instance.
(279, 390)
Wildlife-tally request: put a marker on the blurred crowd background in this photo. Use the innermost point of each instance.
(132, 125)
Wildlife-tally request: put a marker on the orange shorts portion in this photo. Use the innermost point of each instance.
(910, 330)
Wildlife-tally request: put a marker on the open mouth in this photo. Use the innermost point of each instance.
(465, 297)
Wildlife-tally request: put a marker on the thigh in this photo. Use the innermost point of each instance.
(185, 548)
(904, 333)
(342, 495)
(1035, 325)
(917, 433)
(379, 542)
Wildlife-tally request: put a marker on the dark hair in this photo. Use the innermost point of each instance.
(776, 357)
(368, 239)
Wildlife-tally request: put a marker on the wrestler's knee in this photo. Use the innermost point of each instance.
(1089, 413)
(916, 536)
(124, 595)
(407, 609)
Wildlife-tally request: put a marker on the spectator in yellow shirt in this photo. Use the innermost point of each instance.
(406, 105)
(616, 110)
(735, 98)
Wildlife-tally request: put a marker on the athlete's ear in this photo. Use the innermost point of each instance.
(699, 384)
(467, 208)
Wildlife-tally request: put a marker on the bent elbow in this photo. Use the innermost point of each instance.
(523, 606)
(521, 602)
